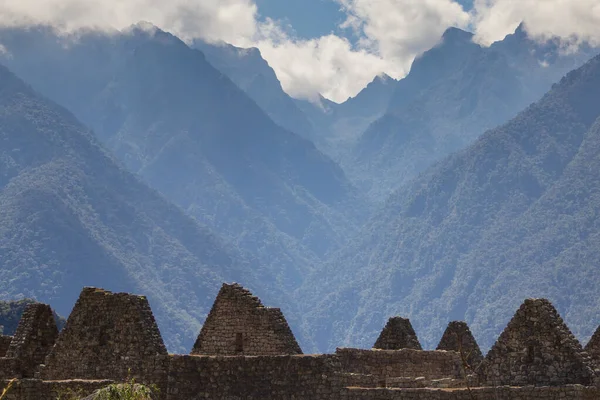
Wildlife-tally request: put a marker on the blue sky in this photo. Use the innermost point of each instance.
(310, 54)
(312, 18)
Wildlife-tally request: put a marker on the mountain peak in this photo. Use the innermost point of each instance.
(143, 26)
(456, 35)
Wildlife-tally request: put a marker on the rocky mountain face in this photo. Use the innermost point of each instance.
(251, 73)
(339, 126)
(192, 134)
(72, 217)
(512, 216)
(453, 93)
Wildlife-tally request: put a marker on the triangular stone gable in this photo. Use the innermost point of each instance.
(458, 337)
(593, 348)
(536, 348)
(4, 344)
(239, 324)
(398, 334)
(107, 336)
(34, 338)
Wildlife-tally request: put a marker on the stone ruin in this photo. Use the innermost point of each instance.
(107, 336)
(458, 337)
(5, 341)
(536, 348)
(34, 337)
(239, 324)
(593, 348)
(397, 334)
(111, 337)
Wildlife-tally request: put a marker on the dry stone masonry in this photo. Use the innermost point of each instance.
(111, 337)
(536, 348)
(458, 338)
(239, 324)
(593, 348)
(4, 344)
(34, 337)
(398, 334)
(107, 336)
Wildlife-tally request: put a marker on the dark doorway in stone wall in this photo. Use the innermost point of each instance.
(239, 342)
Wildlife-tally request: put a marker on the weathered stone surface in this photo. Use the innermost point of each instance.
(398, 334)
(107, 336)
(4, 344)
(36, 389)
(536, 348)
(458, 337)
(593, 348)
(238, 324)
(486, 393)
(384, 364)
(114, 335)
(34, 338)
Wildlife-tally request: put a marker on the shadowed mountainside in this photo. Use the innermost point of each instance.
(72, 217)
(512, 216)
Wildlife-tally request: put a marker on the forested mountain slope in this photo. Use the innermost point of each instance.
(514, 215)
(196, 137)
(251, 73)
(338, 126)
(71, 217)
(453, 93)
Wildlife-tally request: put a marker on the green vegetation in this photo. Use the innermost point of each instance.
(10, 315)
(71, 217)
(126, 391)
(513, 216)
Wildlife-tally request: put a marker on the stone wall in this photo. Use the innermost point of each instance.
(107, 336)
(536, 348)
(238, 324)
(35, 389)
(397, 334)
(593, 348)
(4, 344)
(259, 377)
(400, 363)
(500, 393)
(458, 337)
(34, 337)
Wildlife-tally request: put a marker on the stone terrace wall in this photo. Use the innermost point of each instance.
(458, 337)
(238, 324)
(593, 348)
(4, 344)
(401, 363)
(107, 336)
(397, 334)
(35, 389)
(252, 378)
(500, 393)
(536, 348)
(34, 337)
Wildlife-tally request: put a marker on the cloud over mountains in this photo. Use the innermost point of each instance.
(389, 33)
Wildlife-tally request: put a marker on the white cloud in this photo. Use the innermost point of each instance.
(398, 30)
(570, 20)
(391, 32)
(226, 20)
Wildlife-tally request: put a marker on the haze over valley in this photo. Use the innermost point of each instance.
(443, 172)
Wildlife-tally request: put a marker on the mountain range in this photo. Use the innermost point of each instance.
(73, 217)
(394, 130)
(189, 132)
(136, 162)
(512, 216)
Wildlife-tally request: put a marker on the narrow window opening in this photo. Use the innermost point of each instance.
(239, 342)
(530, 353)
